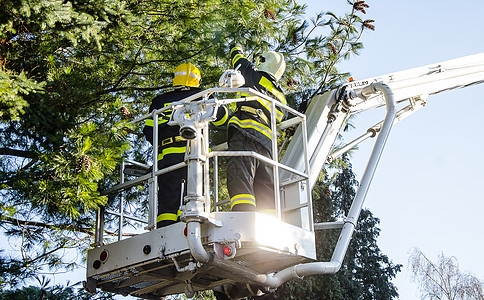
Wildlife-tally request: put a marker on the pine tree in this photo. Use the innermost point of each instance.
(71, 70)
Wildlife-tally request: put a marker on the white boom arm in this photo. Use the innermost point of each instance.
(325, 118)
(327, 112)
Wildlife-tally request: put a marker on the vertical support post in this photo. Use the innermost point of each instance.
(307, 166)
(206, 168)
(194, 199)
(215, 182)
(275, 157)
(98, 237)
(153, 199)
(121, 203)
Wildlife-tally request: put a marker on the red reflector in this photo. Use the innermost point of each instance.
(185, 231)
(227, 250)
(103, 256)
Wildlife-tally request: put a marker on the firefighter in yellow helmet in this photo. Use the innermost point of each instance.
(171, 146)
(250, 181)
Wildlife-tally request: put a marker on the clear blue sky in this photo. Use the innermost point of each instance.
(427, 190)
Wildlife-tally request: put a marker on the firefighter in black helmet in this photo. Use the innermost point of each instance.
(249, 181)
(171, 146)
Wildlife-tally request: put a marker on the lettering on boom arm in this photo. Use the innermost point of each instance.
(362, 83)
(356, 84)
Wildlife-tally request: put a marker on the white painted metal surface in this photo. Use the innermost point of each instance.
(324, 113)
(425, 80)
(149, 264)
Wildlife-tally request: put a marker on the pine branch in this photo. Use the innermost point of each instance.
(134, 88)
(133, 64)
(27, 263)
(18, 153)
(67, 227)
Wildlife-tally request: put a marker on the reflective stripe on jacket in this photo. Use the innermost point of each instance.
(171, 150)
(252, 127)
(250, 124)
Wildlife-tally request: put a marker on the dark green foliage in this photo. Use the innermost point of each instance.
(74, 73)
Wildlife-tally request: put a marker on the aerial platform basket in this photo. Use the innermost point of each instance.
(159, 263)
(210, 249)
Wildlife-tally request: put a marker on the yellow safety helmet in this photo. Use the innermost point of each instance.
(273, 63)
(186, 74)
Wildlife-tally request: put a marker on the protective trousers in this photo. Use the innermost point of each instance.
(170, 184)
(249, 181)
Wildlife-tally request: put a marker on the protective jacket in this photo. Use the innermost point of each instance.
(253, 118)
(250, 181)
(171, 150)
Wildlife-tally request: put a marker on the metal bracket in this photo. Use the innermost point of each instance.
(189, 291)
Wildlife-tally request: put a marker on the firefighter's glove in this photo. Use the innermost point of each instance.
(231, 78)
